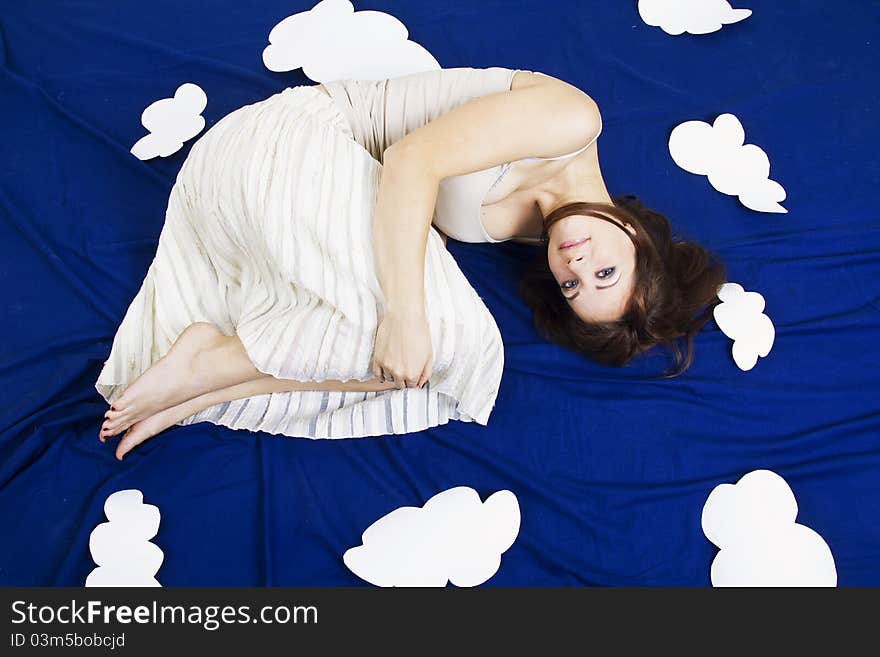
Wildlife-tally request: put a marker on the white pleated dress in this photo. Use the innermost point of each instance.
(268, 235)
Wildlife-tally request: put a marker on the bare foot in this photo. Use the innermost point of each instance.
(171, 380)
(150, 426)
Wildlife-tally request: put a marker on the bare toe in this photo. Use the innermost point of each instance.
(141, 431)
(113, 427)
(127, 442)
(107, 430)
(119, 422)
(154, 424)
(109, 427)
(108, 420)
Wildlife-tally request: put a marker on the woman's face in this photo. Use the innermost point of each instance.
(593, 261)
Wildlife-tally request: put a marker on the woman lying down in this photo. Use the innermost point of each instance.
(301, 285)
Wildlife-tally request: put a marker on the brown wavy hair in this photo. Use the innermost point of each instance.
(674, 280)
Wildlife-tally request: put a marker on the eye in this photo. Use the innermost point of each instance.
(567, 285)
(608, 269)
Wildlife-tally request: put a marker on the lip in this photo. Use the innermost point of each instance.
(570, 243)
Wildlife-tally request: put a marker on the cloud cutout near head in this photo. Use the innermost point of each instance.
(753, 522)
(740, 316)
(734, 168)
(454, 538)
(332, 41)
(171, 121)
(122, 547)
(693, 16)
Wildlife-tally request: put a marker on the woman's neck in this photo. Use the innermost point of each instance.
(579, 180)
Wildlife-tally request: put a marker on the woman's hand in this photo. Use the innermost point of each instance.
(403, 352)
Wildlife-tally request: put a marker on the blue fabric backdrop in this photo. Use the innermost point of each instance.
(611, 468)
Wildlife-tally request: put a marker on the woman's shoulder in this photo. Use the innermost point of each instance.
(524, 78)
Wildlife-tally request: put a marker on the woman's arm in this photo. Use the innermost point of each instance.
(401, 220)
(403, 352)
(542, 118)
(537, 119)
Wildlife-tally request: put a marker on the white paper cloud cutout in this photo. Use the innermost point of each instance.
(122, 547)
(753, 522)
(740, 316)
(171, 121)
(694, 16)
(333, 42)
(717, 151)
(455, 537)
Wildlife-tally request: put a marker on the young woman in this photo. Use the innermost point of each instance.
(485, 155)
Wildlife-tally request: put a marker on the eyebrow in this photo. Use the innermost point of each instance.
(603, 287)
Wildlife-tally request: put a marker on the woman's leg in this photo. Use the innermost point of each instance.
(203, 360)
(265, 383)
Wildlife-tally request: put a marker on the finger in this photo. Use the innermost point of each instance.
(423, 377)
(377, 371)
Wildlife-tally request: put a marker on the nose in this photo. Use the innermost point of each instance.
(578, 253)
(577, 257)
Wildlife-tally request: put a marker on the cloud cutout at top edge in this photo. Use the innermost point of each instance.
(332, 41)
(676, 17)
